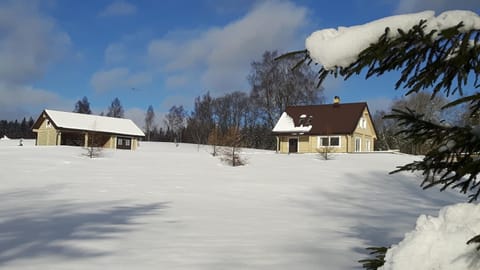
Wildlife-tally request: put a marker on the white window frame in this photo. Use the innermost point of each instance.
(359, 144)
(363, 123)
(319, 141)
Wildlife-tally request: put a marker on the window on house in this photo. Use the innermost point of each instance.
(123, 143)
(334, 141)
(329, 141)
(363, 122)
(324, 141)
(49, 124)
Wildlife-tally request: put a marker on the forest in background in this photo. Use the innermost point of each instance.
(248, 118)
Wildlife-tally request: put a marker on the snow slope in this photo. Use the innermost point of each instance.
(167, 207)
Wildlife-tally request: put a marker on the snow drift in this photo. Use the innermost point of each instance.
(439, 242)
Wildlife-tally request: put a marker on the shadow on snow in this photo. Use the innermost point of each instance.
(49, 230)
(377, 208)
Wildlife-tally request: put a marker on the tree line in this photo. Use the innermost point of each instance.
(247, 118)
(17, 129)
(427, 108)
(248, 115)
(243, 118)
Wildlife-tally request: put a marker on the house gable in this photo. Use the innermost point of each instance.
(368, 128)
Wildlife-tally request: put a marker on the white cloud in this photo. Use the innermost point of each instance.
(176, 100)
(29, 42)
(137, 116)
(405, 6)
(224, 53)
(119, 78)
(118, 8)
(17, 102)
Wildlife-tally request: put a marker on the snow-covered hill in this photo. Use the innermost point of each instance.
(167, 207)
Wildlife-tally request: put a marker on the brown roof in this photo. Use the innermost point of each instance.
(328, 119)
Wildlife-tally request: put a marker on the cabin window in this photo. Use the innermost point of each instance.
(124, 143)
(49, 124)
(333, 141)
(323, 141)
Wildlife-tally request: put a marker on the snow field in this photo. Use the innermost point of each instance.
(167, 207)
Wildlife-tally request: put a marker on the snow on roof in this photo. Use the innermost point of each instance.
(91, 122)
(286, 124)
(340, 47)
(4, 138)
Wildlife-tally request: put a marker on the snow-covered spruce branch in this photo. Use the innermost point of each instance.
(454, 159)
(439, 59)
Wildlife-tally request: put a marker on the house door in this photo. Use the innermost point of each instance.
(293, 145)
(358, 144)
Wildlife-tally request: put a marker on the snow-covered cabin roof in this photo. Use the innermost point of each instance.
(286, 125)
(89, 122)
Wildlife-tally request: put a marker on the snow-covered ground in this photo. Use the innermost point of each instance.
(167, 207)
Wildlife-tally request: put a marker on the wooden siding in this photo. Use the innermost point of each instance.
(365, 134)
(46, 134)
(309, 144)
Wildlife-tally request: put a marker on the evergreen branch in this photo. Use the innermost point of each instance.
(377, 261)
(453, 160)
(475, 240)
(459, 101)
(291, 54)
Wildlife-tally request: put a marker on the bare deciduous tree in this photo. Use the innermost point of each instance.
(175, 120)
(231, 152)
(200, 123)
(275, 85)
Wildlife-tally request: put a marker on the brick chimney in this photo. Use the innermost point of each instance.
(336, 100)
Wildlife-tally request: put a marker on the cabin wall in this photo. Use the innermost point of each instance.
(46, 133)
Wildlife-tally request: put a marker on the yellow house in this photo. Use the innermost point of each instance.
(343, 128)
(76, 129)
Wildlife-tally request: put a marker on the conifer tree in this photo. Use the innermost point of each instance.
(83, 106)
(445, 61)
(149, 117)
(116, 109)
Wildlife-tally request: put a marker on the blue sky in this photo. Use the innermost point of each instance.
(165, 53)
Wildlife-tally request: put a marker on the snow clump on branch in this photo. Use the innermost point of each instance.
(341, 47)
